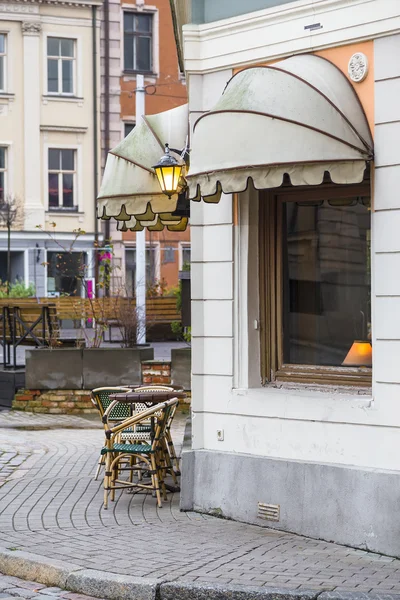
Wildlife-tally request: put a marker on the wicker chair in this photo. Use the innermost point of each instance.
(101, 399)
(150, 458)
(143, 432)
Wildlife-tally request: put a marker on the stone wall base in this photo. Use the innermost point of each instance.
(349, 505)
(71, 402)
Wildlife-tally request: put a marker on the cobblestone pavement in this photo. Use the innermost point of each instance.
(50, 505)
(12, 588)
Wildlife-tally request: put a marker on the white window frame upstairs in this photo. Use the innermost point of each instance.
(155, 46)
(78, 190)
(76, 68)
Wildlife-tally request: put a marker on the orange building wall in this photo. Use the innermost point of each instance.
(169, 91)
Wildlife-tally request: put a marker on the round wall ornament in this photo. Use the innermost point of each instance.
(358, 67)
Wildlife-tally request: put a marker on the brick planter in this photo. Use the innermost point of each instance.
(71, 402)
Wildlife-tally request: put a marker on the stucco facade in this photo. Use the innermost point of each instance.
(46, 108)
(325, 455)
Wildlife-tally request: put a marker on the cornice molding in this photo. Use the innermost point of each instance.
(24, 6)
(283, 30)
(63, 128)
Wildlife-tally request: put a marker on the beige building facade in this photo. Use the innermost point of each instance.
(49, 67)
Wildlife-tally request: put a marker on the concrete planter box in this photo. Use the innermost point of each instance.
(181, 367)
(87, 368)
(113, 366)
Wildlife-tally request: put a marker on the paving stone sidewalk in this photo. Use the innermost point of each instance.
(51, 506)
(13, 588)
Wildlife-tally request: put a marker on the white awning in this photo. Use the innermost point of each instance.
(300, 116)
(130, 192)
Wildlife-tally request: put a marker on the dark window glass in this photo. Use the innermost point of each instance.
(54, 159)
(68, 189)
(52, 75)
(143, 53)
(129, 22)
(67, 47)
(129, 52)
(137, 42)
(67, 160)
(128, 127)
(326, 279)
(2, 158)
(53, 46)
(53, 189)
(185, 255)
(65, 271)
(67, 77)
(1, 186)
(169, 255)
(143, 23)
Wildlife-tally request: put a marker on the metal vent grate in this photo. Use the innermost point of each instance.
(269, 512)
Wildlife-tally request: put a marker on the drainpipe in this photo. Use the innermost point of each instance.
(95, 143)
(106, 6)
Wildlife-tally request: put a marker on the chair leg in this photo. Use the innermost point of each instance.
(154, 478)
(172, 453)
(107, 478)
(99, 465)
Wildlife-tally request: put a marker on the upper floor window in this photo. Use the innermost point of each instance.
(61, 177)
(3, 50)
(316, 284)
(138, 35)
(60, 65)
(128, 127)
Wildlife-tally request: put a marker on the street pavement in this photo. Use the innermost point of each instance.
(51, 506)
(13, 588)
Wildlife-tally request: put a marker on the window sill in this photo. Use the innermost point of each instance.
(61, 98)
(6, 96)
(131, 75)
(64, 211)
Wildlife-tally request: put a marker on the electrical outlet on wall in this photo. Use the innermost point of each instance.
(220, 435)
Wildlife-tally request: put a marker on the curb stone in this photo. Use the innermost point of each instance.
(103, 584)
(204, 591)
(112, 586)
(35, 568)
(338, 595)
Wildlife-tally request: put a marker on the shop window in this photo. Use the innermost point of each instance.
(3, 173)
(184, 259)
(316, 284)
(3, 58)
(61, 179)
(60, 66)
(65, 273)
(138, 41)
(151, 268)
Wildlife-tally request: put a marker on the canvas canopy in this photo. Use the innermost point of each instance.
(300, 116)
(130, 192)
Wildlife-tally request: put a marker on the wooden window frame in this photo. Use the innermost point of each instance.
(273, 368)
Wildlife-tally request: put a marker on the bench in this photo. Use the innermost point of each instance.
(29, 324)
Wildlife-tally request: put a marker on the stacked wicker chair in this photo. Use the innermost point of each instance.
(101, 399)
(152, 458)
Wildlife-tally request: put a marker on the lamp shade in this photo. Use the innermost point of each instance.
(359, 355)
(169, 173)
